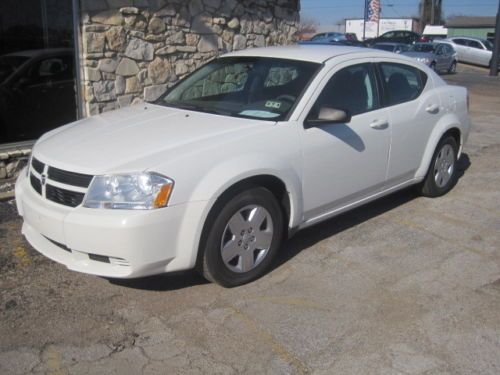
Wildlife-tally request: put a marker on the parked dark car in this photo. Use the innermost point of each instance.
(37, 92)
(392, 47)
(395, 36)
(351, 36)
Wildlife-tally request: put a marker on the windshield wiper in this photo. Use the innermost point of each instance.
(198, 108)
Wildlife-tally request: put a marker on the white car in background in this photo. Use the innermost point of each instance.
(237, 156)
(472, 50)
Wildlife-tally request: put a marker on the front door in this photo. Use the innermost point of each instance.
(345, 162)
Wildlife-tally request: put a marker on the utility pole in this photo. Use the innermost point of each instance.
(433, 12)
(364, 19)
(496, 47)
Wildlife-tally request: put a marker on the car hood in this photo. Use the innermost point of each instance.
(422, 55)
(138, 138)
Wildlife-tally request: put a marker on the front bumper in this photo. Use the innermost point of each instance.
(111, 243)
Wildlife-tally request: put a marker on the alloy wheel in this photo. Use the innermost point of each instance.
(444, 166)
(247, 238)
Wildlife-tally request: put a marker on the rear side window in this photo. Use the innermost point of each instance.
(403, 83)
(460, 42)
(474, 44)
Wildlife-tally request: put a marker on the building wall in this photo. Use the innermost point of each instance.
(133, 50)
(471, 32)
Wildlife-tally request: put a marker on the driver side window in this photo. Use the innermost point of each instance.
(351, 89)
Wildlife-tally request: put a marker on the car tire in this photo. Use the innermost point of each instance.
(442, 174)
(433, 66)
(243, 238)
(453, 68)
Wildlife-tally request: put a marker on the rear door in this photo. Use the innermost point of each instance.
(414, 108)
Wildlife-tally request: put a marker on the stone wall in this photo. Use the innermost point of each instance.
(133, 50)
(11, 163)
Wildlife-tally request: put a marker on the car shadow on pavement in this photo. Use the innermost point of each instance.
(302, 240)
(163, 283)
(310, 236)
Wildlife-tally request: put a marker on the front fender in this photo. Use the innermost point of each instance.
(226, 174)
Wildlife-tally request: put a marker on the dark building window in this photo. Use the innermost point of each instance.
(37, 68)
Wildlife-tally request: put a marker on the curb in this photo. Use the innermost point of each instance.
(6, 196)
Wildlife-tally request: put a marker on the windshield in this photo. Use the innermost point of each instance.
(422, 48)
(254, 87)
(9, 64)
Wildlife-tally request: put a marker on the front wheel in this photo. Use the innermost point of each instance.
(243, 239)
(442, 173)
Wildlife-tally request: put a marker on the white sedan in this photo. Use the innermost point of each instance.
(236, 157)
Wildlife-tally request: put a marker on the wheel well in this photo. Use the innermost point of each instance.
(455, 133)
(275, 185)
(272, 183)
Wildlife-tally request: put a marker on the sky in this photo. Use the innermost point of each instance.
(332, 12)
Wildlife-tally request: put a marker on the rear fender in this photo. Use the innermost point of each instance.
(447, 122)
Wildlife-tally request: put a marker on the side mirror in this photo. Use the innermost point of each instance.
(329, 115)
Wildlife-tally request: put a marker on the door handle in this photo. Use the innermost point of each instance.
(432, 108)
(379, 124)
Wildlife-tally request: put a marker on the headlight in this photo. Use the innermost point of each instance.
(424, 60)
(138, 191)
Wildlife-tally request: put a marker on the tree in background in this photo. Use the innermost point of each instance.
(307, 28)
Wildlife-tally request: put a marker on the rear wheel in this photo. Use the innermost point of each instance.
(442, 173)
(243, 239)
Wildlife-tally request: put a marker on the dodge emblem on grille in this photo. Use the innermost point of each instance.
(44, 178)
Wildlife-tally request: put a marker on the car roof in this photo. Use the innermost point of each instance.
(466, 37)
(40, 52)
(318, 53)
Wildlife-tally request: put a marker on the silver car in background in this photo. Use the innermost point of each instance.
(437, 56)
(472, 50)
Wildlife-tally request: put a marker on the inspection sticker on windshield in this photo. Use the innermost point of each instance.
(272, 104)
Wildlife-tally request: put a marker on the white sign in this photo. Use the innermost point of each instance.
(356, 26)
(373, 30)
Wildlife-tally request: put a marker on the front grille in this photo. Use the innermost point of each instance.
(69, 178)
(63, 196)
(36, 184)
(37, 165)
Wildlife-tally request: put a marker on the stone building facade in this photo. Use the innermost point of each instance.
(128, 51)
(133, 50)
